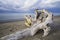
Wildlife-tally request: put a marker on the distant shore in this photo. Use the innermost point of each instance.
(6, 21)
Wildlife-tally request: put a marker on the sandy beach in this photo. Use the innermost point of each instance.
(11, 27)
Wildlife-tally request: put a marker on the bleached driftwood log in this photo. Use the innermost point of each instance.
(31, 31)
(17, 35)
(43, 25)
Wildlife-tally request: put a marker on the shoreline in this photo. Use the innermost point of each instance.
(2, 22)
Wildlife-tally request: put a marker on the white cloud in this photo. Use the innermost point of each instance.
(12, 3)
(27, 4)
(17, 4)
(48, 3)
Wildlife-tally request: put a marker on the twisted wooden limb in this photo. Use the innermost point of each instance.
(31, 31)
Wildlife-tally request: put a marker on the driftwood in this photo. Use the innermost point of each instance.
(17, 35)
(30, 31)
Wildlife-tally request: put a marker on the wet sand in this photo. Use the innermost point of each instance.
(11, 27)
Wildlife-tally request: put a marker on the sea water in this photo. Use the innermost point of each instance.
(4, 17)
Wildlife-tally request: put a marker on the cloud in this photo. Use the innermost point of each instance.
(28, 5)
(17, 4)
(48, 3)
(11, 4)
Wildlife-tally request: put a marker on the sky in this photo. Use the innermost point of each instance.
(29, 6)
